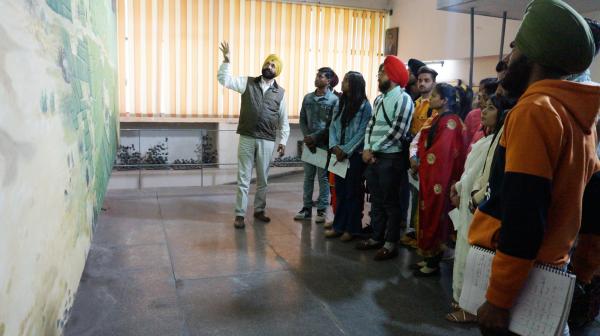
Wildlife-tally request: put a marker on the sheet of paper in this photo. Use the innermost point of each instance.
(319, 158)
(338, 168)
(414, 182)
(454, 217)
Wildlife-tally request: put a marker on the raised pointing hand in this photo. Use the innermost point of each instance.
(225, 50)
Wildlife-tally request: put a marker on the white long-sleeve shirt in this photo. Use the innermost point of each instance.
(238, 84)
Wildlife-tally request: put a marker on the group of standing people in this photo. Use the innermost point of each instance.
(521, 170)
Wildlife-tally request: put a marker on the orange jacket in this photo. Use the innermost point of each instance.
(546, 157)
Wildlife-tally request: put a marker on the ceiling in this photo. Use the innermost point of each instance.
(514, 8)
(370, 4)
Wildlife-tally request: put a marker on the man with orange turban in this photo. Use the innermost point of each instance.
(263, 121)
(384, 154)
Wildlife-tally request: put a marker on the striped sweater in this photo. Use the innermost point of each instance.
(384, 134)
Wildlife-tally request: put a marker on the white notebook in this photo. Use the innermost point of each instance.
(542, 308)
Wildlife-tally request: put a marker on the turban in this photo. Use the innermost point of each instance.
(278, 64)
(414, 65)
(554, 35)
(396, 70)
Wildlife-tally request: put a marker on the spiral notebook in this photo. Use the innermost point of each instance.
(542, 308)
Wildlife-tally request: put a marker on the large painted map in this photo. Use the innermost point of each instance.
(58, 134)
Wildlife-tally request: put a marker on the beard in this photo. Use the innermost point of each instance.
(385, 86)
(516, 78)
(268, 74)
(424, 90)
(413, 91)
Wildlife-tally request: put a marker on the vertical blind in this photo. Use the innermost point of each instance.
(169, 52)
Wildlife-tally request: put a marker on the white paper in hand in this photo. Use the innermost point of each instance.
(318, 158)
(454, 217)
(339, 168)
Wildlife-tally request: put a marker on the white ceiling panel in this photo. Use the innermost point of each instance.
(514, 8)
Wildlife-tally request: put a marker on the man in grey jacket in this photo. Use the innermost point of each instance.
(316, 109)
(263, 121)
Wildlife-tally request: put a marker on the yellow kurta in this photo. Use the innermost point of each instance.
(420, 115)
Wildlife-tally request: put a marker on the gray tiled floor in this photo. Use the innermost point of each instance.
(168, 262)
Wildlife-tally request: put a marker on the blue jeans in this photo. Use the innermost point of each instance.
(309, 183)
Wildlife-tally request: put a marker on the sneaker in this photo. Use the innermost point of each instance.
(321, 216)
(304, 214)
(425, 272)
(418, 265)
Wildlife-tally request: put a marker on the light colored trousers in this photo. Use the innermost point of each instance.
(253, 153)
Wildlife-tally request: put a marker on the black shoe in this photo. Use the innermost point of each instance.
(238, 223)
(303, 214)
(368, 245)
(261, 216)
(385, 254)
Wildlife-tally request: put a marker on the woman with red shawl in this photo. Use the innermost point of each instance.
(441, 153)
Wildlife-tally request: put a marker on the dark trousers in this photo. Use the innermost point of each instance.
(350, 195)
(384, 179)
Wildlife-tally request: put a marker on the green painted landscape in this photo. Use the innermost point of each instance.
(58, 140)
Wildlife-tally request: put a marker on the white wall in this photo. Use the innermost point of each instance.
(227, 143)
(483, 67)
(429, 34)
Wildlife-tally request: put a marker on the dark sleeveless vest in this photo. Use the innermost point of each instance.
(259, 113)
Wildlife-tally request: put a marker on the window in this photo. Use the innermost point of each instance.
(169, 52)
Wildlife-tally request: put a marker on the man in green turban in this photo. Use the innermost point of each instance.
(545, 163)
(554, 35)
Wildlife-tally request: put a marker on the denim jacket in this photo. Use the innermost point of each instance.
(314, 115)
(354, 134)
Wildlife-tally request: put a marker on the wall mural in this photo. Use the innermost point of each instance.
(58, 137)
